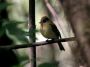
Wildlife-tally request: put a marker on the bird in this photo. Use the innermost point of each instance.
(49, 30)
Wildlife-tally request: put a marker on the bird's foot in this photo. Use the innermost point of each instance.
(49, 40)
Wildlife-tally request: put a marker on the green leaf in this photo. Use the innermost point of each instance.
(32, 34)
(19, 34)
(49, 64)
(4, 5)
(2, 28)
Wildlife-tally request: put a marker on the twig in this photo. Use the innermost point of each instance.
(48, 42)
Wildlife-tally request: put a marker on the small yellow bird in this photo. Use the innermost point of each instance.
(49, 30)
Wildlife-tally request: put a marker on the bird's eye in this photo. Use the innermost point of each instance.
(45, 20)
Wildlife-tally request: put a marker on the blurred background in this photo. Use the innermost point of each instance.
(15, 28)
(14, 15)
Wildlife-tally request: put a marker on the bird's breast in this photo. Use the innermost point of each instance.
(47, 32)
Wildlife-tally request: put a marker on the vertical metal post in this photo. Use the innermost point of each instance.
(32, 29)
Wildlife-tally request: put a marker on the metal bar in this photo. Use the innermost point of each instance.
(32, 30)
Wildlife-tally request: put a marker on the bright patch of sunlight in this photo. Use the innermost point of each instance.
(39, 37)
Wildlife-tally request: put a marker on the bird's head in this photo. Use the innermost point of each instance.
(44, 19)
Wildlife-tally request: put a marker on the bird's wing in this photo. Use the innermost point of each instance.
(54, 28)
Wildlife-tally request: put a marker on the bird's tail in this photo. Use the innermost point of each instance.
(61, 46)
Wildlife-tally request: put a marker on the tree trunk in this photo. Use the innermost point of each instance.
(77, 12)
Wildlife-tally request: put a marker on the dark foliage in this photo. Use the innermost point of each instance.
(7, 57)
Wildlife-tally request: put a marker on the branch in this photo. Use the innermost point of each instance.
(37, 43)
(56, 18)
